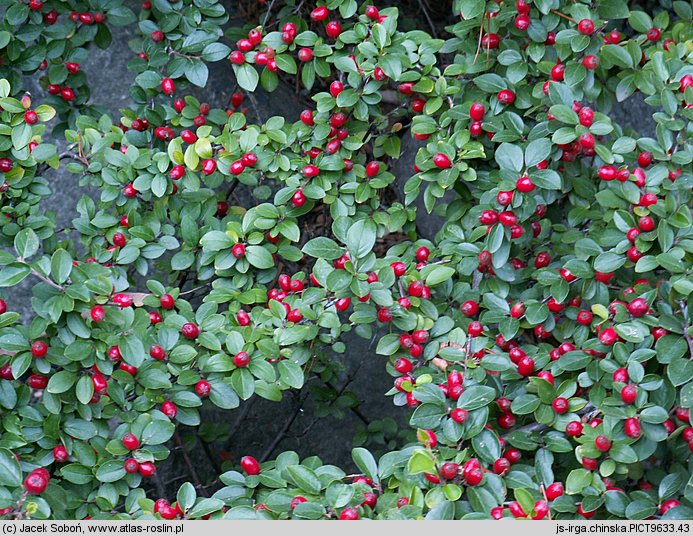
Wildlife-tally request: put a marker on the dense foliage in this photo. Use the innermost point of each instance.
(542, 339)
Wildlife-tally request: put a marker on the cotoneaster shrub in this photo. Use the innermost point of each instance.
(541, 341)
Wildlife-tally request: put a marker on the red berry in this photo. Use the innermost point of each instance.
(241, 359)
(238, 251)
(319, 14)
(608, 336)
(167, 301)
(506, 96)
(490, 41)
(522, 22)
(560, 405)
(168, 86)
(203, 388)
(589, 463)
(573, 428)
(372, 168)
(586, 27)
(506, 421)
(602, 443)
(629, 393)
(477, 111)
(668, 505)
(157, 352)
(653, 34)
(349, 514)
(60, 454)
(147, 469)
(35, 483)
(541, 510)
(501, 466)
(131, 466)
(190, 330)
(39, 349)
(524, 185)
(449, 470)
(459, 415)
(31, 117)
(554, 491)
(372, 12)
(516, 510)
(130, 441)
(638, 307)
(590, 62)
(470, 308)
(169, 409)
(526, 366)
(475, 329)
(441, 161)
(250, 465)
(632, 428)
(333, 29)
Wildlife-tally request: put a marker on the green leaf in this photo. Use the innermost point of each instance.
(216, 241)
(215, 52)
(259, 257)
(543, 464)
(365, 462)
(421, 462)
(148, 79)
(78, 474)
(10, 472)
(304, 478)
(613, 9)
(26, 243)
(197, 73)
(13, 274)
(617, 55)
(578, 479)
(536, 151)
(111, 471)
(670, 485)
(490, 83)
(438, 275)
(360, 238)
(132, 350)
(61, 265)
(640, 509)
(622, 453)
(84, 390)
(246, 76)
(61, 382)
(290, 373)
(323, 248)
(470, 9)
(158, 432)
(186, 496)
(476, 396)
(609, 262)
(510, 157)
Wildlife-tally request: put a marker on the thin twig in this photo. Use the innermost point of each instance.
(478, 45)
(543, 491)
(566, 17)
(537, 426)
(242, 414)
(191, 467)
(686, 326)
(267, 15)
(428, 18)
(282, 433)
(210, 455)
(47, 280)
(160, 488)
